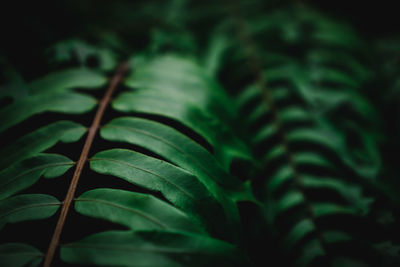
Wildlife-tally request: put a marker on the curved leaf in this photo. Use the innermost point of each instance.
(177, 185)
(71, 103)
(25, 173)
(122, 248)
(40, 140)
(27, 207)
(68, 79)
(19, 255)
(172, 145)
(134, 210)
(180, 187)
(225, 144)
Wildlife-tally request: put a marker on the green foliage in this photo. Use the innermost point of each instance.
(252, 140)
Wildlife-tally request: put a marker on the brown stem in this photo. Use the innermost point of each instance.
(81, 162)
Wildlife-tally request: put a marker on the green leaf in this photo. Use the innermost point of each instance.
(352, 193)
(180, 187)
(216, 50)
(19, 255)
(27, 207)
(134, 210)
(172, 145)
(326, 139)
(65, 80)
(274, 153)
(25, 173)
(310, 252)
(283, 175)
(184, 80)
(327, 74)
(40, 140)
(225, 144)
(325, 58)
(298, 232)
(177, 185)
(311, 158)
(289, 201)
(327, 209)
(257, 113)
(70, 103)
(68, 51)
(294, 115)
(156, 248)
(249, 94)
(265, 133)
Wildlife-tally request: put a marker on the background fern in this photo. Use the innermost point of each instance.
(194, 133)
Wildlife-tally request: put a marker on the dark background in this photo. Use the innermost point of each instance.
(26, 25)
(374, 19)
(28, 28)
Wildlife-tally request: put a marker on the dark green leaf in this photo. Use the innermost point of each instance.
(27, 207)
(134, 210)
(71, 103)
(25, 173)
(172, 145)
(225, 144)
(19, 255)
(118, 248)
(40, 140)
(68, 79)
